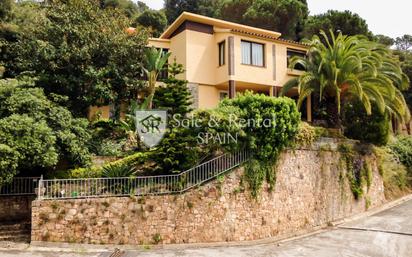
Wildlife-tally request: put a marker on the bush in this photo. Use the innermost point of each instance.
(136, 161)
(70, 135)
(270, 124)
(306, 135)
(8, 163)
(402, 149)
(32, 140)
(394, 174)
(358, 125)
(118, 171)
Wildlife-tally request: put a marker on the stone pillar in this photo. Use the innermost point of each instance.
(232, 89)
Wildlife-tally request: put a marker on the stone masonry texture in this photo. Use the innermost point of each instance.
(308, 193)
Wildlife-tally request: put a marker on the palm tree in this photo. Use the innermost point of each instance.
(155, 61)
(346, 67)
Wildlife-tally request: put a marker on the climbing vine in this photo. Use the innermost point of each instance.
(272, 125)
(358, 171)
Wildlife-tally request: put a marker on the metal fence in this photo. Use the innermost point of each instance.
(138, 186)
(20, 186)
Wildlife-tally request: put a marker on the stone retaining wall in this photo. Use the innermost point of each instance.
(308, 193)
(15, 208)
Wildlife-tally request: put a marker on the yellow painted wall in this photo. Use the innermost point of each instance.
(208, 96)
(178, 48)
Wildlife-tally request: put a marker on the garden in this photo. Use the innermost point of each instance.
(49, 79)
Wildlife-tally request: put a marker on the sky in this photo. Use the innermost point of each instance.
(392, 18)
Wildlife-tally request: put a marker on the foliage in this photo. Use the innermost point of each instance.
(270, 125)
(8, 163)
(81, 51)
(344, 22)
(404, 43)
(402, 149)
(219, 129)
(154, 20)
(154, 62)
(128, 7)
(394, 174)
(384, 40)
(284, 16)
(118, 171)
(306, 134)
(374, 128)
(18, 97)
(347, 67)
(173, 8)
(358, 172)
(32, 139)
(174, 96)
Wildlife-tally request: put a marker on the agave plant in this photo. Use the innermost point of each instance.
(118, 171)
(345, 67)
(155, 61)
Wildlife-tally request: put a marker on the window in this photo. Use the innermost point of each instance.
(223, 95)
(291, 53)
(252, 53)
(222, 53)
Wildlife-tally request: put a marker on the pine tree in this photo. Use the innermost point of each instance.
(177, 150)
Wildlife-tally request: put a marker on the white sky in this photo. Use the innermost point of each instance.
(392, 18)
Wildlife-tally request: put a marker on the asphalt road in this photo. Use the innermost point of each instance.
(386, 234)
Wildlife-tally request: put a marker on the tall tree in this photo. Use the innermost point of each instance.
(346, 67)
(174, 8)
(285, 16)
(404, 43)
(384, 40)
(346, 22)
(83, 52)
(154, 20)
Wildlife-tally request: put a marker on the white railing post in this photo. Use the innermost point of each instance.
(40, 189)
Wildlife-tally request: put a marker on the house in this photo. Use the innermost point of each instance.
(222, 58)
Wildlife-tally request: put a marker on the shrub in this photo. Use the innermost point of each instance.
(270, 124)
(116, 171)
(306, 134)
(358, 125)
(67, 138)
(8, 163)
(33, 140)
(393, 172)
(402, 149)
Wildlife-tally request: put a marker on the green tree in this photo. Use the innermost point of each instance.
(174, 8)
(128, 7)
(154, 63)
(348, 67)
(174, 96)
(284, 16)
(359, 125)
(83, 52)
(177, 151)
(404, 43)
(30, 140)
(70, 136)
(345, 22)
(5, 9)
(154, 20)
(384, 40)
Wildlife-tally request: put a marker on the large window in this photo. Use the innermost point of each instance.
(222, 53)
(253, 53)
(291, 53)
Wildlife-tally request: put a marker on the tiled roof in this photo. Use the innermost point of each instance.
(269, 37)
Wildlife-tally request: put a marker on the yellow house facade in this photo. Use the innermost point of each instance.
(222, 58)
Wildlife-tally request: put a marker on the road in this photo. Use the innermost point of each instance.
(386, 234)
